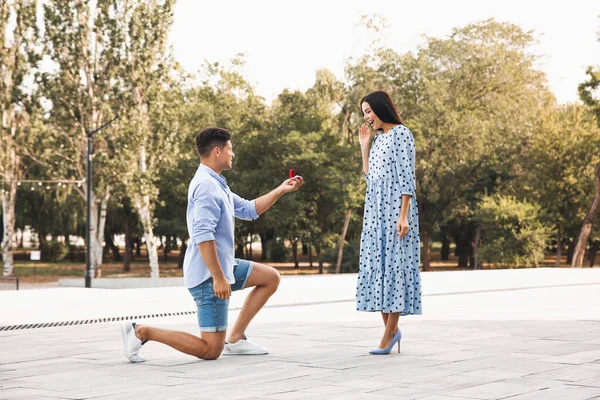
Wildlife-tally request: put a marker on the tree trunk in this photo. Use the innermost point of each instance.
(319, 259)
(310, 255)
(264, 245)
(12, 169)
(295, 253)
(593, 250)
(113, 248)
(20, 239)
(340, 256)
(304, 248)
(445, 253)
(571, 251)
(71, 247)
(558, 249)
(426, 251)
(128, 248)
(464, 251)
(182, 253)
(144, 209)
(8, 218)
(166, 248)
(586, 228)
(95, 247)
(476, 263)
(250, 251)
(43, 241)
(138, 246)
(239, 249)
(105, 250)
(97, 232)
(97, 221)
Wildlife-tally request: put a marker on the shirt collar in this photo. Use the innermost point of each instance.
(220, 178)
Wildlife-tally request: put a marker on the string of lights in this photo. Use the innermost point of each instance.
(40, 184)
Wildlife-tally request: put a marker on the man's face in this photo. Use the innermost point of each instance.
(225, 156)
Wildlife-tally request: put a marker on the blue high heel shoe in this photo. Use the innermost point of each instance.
(388, 350)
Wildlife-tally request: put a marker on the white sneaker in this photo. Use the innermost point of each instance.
(244, 347)
(131, 343)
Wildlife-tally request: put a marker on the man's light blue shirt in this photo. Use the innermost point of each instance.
(211, 213)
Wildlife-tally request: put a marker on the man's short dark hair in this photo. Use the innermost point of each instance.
(210, 138)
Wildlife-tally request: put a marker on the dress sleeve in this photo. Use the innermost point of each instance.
(404, 160)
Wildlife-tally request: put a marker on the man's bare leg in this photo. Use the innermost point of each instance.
(265, 281)
(207, 347)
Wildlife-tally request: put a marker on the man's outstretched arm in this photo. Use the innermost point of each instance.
(263, 203)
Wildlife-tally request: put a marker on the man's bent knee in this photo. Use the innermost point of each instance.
(211, 356)
(211, 353)
(273, 279)
(215, 343)
(277, 279)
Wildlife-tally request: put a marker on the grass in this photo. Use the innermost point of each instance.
(36, 271)
(39, 272)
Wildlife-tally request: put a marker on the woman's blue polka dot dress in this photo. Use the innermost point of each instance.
(389, 279)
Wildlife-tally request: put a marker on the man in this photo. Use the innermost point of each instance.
(210, 270)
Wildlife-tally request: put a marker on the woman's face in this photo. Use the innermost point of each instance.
(370, 117)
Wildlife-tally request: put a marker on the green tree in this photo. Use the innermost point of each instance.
(217, 96)
(586, 229)
(53, 210)
(146, 69)
(469, 99)
(19, 56)
(335, 97)
(82, 94)
(587, 92)
(110, 59)
(172, 202)
(302, 133)
(557, 168)
(512, 231)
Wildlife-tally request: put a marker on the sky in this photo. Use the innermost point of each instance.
(286, 42)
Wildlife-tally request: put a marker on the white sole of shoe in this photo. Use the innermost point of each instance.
(229, 352)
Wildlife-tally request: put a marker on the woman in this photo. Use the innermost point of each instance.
(389, 279)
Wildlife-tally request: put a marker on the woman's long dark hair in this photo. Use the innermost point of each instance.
(382, 105)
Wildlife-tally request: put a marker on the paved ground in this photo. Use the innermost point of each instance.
(518, 334)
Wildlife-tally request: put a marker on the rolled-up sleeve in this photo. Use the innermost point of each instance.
(244, 209)
(207, 210)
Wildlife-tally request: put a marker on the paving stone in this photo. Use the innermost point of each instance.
(463, 347)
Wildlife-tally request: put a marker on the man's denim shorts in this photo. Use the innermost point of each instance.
(212, 311)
